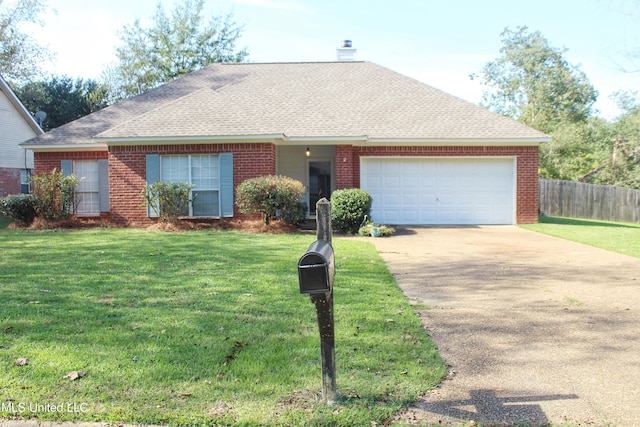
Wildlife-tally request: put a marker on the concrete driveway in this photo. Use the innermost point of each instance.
(535, 329)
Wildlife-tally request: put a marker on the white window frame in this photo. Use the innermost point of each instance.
(25, 181)
(87, 192)
(188, 177)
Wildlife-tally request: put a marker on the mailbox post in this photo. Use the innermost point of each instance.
(316, 269)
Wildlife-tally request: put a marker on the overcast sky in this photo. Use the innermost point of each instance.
(437, 42)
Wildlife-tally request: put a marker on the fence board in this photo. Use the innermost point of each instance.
(579, 200)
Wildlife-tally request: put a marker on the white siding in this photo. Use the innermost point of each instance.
(13, 130)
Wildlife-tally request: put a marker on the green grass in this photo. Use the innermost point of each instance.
(199, 328)
(616, 237)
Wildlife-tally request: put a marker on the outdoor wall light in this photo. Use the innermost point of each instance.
(308, 152)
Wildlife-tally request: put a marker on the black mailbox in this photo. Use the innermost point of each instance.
(316, 269)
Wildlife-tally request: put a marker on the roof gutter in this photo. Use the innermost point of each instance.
(42, 148)
(145, 140)
(456, 141)
(103, 144)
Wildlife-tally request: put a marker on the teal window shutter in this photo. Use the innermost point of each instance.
(103, 184)
(152, 176)
(226, 184)
(66, 167)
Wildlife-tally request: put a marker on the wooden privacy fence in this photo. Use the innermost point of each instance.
(578, 200)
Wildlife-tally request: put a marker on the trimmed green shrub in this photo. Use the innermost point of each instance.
(54, 195)
(170, 200)
(349, 208)
(295, 214)
(271, 195)
(20, 207)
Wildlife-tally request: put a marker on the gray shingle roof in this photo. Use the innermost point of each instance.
(297, 100)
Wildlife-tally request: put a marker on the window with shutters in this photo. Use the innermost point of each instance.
(92, 192)
(203, 173)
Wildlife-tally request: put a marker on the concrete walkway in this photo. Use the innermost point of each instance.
(535, 329)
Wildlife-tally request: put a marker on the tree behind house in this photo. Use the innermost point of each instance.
(20, 55)
(63, 99)
(533, 83)
(174, 45)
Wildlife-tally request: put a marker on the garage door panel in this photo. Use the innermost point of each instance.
(410, 183)
(411, 202)
(440, 190)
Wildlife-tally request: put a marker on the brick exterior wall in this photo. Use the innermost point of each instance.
(127, 172)
(348, 168)
(9, 181)
(346, 160)
(127, 169)
(46, 162)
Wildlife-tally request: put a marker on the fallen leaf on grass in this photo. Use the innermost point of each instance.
(21, 361)
(74, 375)
(389, 320)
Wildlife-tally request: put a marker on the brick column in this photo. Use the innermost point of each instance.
(346, 167)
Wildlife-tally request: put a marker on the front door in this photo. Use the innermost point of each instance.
(319, 182)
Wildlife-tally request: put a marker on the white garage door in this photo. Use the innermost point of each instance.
(440, 190)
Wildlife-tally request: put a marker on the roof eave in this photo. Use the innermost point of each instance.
(146, 140)
(531, 141)
(42, 148)
(102, 143)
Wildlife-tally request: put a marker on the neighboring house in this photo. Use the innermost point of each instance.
(425, 156)
(16, 126)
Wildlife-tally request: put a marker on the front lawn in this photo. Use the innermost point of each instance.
(613, 236)
(199, 327)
